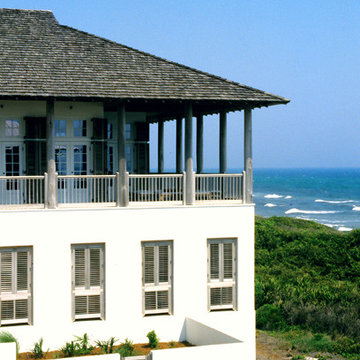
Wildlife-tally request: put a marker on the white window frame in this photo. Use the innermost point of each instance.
(157, 286)
(14, 294)
(88, 290)
(220, 282)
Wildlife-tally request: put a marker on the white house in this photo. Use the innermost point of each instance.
(91, 241)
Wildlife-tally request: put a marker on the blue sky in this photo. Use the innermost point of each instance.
(306, 51)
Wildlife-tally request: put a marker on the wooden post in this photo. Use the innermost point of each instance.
(199, 144)
(50, 151)
(189, 169)
(161, 146)
(123, 185)
(179, 145)
(222, 144)
(248, 155)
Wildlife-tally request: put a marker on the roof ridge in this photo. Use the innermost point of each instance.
(175, 63)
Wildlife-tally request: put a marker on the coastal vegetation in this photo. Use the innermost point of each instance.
(308, 284)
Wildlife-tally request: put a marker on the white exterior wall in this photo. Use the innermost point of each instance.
(52, 232)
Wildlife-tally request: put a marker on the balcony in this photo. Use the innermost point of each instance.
(19, 192)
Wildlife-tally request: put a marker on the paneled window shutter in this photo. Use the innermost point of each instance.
(221, 274)
(157, 277)
(15, 286)
(88, 281)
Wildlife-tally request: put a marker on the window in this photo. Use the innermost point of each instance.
(79, 127)
(15, 288)
(88, 281)
(157, 277)
(127, 131)
(12, 128)
(60, 127)
(221, 274)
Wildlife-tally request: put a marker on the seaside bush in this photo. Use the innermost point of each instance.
(37, 350)
(126, 348)
(153, 339)
(107, 347)
(310, 274)
(270, 317)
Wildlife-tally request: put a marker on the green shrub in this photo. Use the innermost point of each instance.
(37, 350)
(153, 339)
(83, 344)
(126, 348)
(6, 337)
(270, 317)
(70, 349)
(171, 344)
(107, 347)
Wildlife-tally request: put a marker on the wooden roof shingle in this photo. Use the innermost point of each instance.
(41, 58)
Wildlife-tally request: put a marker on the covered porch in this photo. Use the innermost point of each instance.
(121, 187)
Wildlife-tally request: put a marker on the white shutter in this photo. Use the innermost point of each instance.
(88, 281)
(157, 277)
(221, 274)
(15, 288)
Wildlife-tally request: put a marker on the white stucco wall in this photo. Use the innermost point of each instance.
(52, 232)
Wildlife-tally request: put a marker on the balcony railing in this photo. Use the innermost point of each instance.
(32, 191)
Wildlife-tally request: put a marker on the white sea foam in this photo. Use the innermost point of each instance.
(356, 208)
(297, 211)
(273, 196)
(343, 228)
(330, 225)
(269, 205)
(288, 197)
(334, 201)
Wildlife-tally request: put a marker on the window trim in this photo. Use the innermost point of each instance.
(88, 290)
(157, 286)
(221, 282)
(15, 294)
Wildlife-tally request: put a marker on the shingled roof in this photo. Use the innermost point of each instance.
(40, 58)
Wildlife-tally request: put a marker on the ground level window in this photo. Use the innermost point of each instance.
(15, 285)
(221, 274)
(157, 277)
(88, 281)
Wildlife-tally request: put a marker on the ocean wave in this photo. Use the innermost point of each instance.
(269, 205)
(297, 211)
(288, 197)
(334, 201)
(273, 196)
(343, 228)
(330, 225)
(356, 208)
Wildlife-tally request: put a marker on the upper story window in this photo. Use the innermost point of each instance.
(88, 281)
(79, 127)
(157, 277)
(12, 127)
(60, 127)
(221, 274)
(15, 288)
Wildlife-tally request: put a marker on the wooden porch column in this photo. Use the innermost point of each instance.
(190, 180)
(248, 156)
(123, 179)
(179, 146)
(50, 151)
(161, 146)
(199, 144)
(222, 144)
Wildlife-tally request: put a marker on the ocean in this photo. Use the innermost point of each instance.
(327, 196)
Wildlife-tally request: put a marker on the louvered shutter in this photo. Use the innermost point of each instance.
(88, 281)
(15, 288)
(221, 274)
(157, 279)
(99, 146)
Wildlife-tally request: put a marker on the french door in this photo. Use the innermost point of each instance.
(11, 191)
(72, 159)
